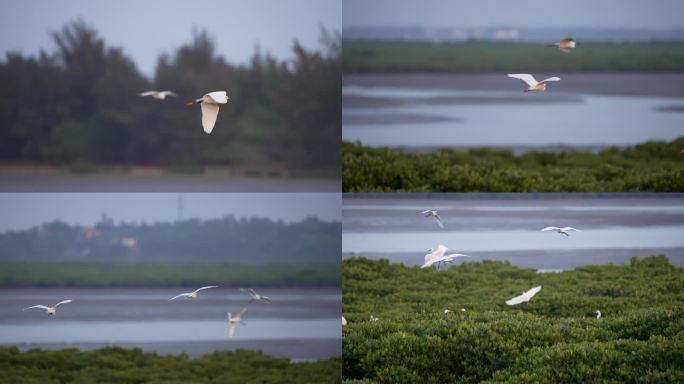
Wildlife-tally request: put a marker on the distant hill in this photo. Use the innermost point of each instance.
(227, 241)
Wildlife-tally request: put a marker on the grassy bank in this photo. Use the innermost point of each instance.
(117, 365)
(481, 56)
(15, 274)
(554, 338)
(652, 166)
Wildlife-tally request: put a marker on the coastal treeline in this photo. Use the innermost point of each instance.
(554, 338)
(78, 105)
(651, 167)
(362, 56)
(227, 240)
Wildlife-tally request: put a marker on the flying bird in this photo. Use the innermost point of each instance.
(50, 310)
(193, 294)
(210, 108)
(566, 45)
(255, 296)
(525, 297)
(433, 213)
(438, 257)
(234, 320)
(533, 84)
(562, 231)
(159, 95)
(598, 314)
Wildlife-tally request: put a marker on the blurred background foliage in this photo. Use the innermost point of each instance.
(79, 104)
(651, 166)
(554, 338)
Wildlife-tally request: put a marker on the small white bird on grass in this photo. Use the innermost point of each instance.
(562, 231)
(234, 321)
(159, 95)
(210, 108)
(255, 296)
(437, 257)
(344, 321)
(373, 318)
(532, 83)
(50, 310)
(433, 213)
(566, 45)
(525, 297)
(598, 314)
(193, 294)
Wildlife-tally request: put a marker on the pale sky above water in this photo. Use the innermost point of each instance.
(24, 210)
(521, 13)
(146, 29)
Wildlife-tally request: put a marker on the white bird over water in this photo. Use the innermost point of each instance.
(234, 321)
(566, 45)
(255, 296)
(525, 297)
(50, 310)
(532, 83)
(159, 95)
(433, 213)
(210, 108)
(438, 256)
(562, 231)
(193, 294)
(598, 314)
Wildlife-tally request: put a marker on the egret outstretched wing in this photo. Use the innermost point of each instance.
(207, 287)
(219, 97)
(550, 229)
(516, 300)
(438, 220)
(181, 295)
(148, 93)
(250, 292)
(550, 79)
(63, 302)
(570, 229)
(209, 114)
(168, 93)
(533, 291)
(231, 329)
(526, 77)
(38, 306)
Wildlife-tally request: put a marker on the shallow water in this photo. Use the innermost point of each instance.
(402, 116)
(612, 229)
(145, 317)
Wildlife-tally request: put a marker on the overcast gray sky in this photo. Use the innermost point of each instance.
(146, 29)
(520, 13)
(24, 210)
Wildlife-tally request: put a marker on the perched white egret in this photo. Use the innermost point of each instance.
(438, 256)
(159, 95)
(565, 45)
(433, 213)
(446, 311)
(234, 321)
(344, 321)
(50, 310)
(463, 309)
(562, 231)
(532, 83)
(525, 297)
(373, 318)
(255, 296)
(193, 294)
(210, 108)
(598, 314)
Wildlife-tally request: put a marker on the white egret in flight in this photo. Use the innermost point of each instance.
(234, 320)
(562, 231)
(438, 256)
(193, 294)
(50, 310)
(532, 83)
(525, 297)
(433, 213)
(210, 108)
(565, 45)
(255, 296)
(159, 95)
